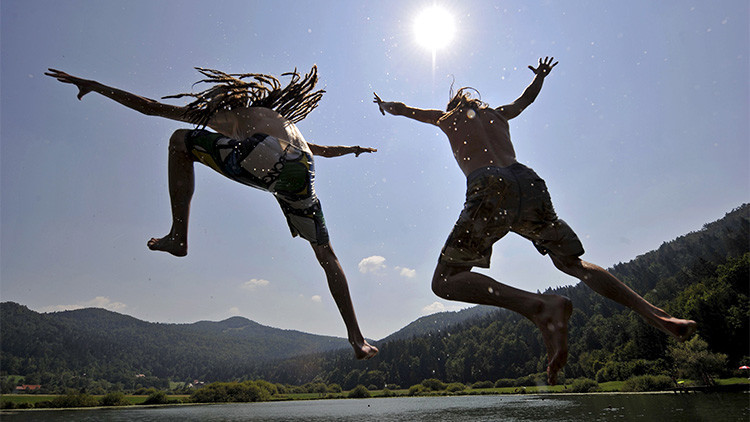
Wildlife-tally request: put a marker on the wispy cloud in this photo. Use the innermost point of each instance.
(255, 283)
(372, 264)
(316, 299)
(406, 272)
(97, 302)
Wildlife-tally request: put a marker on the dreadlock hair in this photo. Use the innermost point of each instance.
(237, 90)
(463, 97)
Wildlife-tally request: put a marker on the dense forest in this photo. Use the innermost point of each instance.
(704, 275)
(97, 347)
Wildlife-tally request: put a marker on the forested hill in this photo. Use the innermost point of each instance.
(703, 275)
(438, 322)
(115, 347)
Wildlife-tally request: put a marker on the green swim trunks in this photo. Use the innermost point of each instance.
(501, 200)
(261, 162)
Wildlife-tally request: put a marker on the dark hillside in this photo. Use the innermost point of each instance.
(116, 347)
(702, 276)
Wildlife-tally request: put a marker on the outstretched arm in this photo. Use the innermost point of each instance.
(141, 104)
(337, 151)
(530, 93)
(401, 109)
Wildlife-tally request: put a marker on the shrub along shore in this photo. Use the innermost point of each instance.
(259, 390)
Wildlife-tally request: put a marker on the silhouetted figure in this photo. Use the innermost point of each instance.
(505, 196)
(255, 143)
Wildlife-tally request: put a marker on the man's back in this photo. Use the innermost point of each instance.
(479, 137)
(244, 122)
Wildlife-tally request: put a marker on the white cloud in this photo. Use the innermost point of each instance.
(256, 282)
(97, 302)
(316, 299)
(372, 264)
(406, 272)
(433, 308)
(234, 311)
(436, 307)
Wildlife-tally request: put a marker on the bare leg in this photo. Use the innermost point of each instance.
(181, 187)
(550, 313)
(340, 292)
(610, 287)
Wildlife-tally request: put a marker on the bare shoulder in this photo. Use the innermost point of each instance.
(244, 122)
(494, 114)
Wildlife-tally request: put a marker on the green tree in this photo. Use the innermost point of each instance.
(433, 384)
(457, 386)
(648, 383)
(74, 400)
(158, 397)
(359, 392)
(693, 360)
(584, 385)
(230, 392)
(114, 399)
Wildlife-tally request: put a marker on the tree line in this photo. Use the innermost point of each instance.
(702, 276)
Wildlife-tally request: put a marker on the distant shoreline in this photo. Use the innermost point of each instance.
(725, 388)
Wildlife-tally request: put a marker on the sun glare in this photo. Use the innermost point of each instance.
(434, 28)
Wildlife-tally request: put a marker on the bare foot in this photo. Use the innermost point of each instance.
(552, 320)
(680, 329)
(168, 244)
(366, 351)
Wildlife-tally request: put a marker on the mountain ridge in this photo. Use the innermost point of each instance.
(114, 347)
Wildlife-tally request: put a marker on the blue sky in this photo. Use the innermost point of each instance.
(641, 133)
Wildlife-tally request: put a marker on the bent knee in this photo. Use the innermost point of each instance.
(441, 279)
(567, 264)
(439, 287)
(178, 140)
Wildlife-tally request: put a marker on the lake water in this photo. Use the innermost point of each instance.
(559, 408)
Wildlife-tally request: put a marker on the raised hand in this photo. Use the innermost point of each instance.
(545, 66)
(379, 102)
(361, 150)
(84, 85)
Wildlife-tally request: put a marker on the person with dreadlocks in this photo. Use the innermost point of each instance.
(256, 143)
(505, 196)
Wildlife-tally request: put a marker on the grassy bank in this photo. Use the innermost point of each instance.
(28, 401)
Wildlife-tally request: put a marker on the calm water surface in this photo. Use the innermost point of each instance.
(589, 407)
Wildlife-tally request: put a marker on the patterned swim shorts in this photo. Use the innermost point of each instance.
(501, 200)
(261, 162)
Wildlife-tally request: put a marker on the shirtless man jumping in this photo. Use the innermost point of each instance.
(256, 143)
(502, 196)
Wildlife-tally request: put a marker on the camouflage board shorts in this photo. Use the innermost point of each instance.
(263, 162)
(501, 200)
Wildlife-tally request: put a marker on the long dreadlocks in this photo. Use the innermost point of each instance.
(231, 91)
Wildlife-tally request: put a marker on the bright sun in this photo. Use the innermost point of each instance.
(434, 28)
